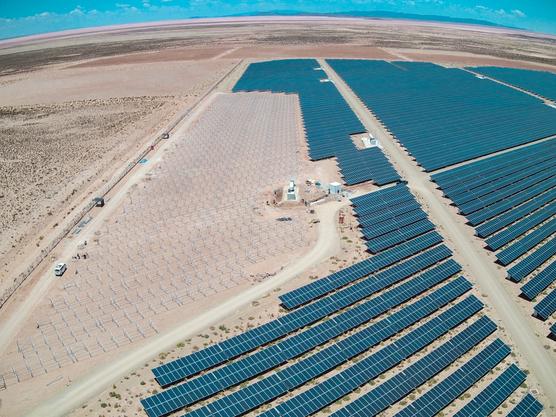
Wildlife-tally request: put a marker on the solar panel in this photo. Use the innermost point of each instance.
(494, 395)
(359, 270)
(399, 236)
(450, 388)
(529, 406)
(284, 350)
(530, 263)
(540, 282)
(521, 227)
(505, 192)
(284, 380)
(394, 223)
(553, 329)
(547, 306)
(440, 125)
(387, 393)
(214, 355)
(498, 223)
(327, 119)
(509, 203)
(539, 82)
(524, 245)
(455, 183)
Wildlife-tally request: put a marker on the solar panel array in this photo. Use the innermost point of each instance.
(327, 118)
(411, 290)
(494, 395)
(510, 199)
(542, 83)
(390, 217)
(438, 124)
(547, 306)
(529, 406)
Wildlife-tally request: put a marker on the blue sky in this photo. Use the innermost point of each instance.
(24, 17)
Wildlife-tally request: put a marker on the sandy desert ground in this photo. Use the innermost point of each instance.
(76, 109)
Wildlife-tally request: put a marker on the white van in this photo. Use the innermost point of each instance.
(59, 269)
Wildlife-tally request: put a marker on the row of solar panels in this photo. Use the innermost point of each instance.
(328, 120)
(407, 222)
(542, 83)
(392, 279)
(518, 190)
(438, 124)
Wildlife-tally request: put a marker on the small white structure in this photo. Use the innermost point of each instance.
(291, 195)
(335, 188)
(370, 142)
(326, 80)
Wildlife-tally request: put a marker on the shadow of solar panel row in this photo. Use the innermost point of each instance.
(506, 192)
(521, 227)
(367, 369)
(327, 119)
(449, 389)
(272, 356)
(525, 244)
(404, 382)
(529, 406)
(498, 223)
(399, 236)
(546, 307)
(540, 282)
(360, 166)
(530, 263)
(467, 177)
(219, 353)
(542, 83)
(495, 394)
(299, 373)
(509, 203)
(339, 279)
(503, 187)
(440, 125)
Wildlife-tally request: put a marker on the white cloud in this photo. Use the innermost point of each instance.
(518, 13)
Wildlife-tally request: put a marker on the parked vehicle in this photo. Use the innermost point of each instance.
(59, 269)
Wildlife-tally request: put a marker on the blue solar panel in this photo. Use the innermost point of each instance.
(214, 355)
(441, 125)
(553, 329)
(524, 245)
(519, 228)
(542, 83)
(527, 407)
(501, 169)
(496, 195)
(327, 118)
(494, 395)
(449, 389)
(279, 383)
(547, 306)
(284, 350)
(540, 282)
(530, 263)
(395, 388)
(498, 223)
(357, 271)
(399, 236)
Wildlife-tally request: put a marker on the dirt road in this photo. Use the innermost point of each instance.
(328, 244)
(484, 272)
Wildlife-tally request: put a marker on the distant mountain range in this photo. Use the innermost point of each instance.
(377, 14)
